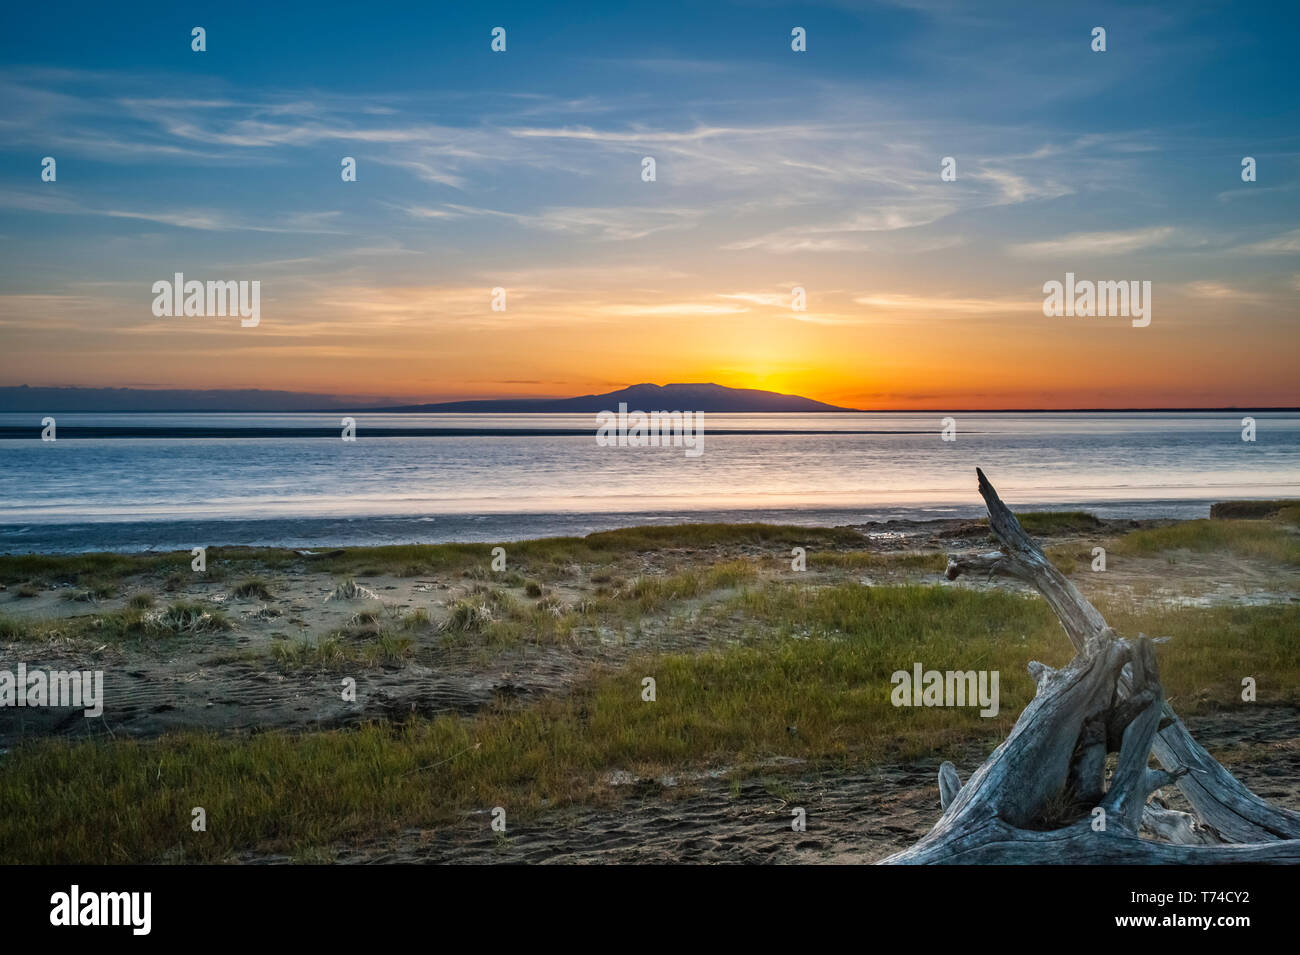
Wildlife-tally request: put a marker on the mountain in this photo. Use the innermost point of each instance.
(645, 397)
(54, 400)
(714, 398)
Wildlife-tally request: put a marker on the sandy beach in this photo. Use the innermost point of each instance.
(264, 643)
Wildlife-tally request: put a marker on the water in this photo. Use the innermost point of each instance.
(167, 493)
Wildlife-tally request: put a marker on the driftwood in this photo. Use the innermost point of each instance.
(1043, 796)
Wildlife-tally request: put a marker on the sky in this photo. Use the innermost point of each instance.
(774, 169)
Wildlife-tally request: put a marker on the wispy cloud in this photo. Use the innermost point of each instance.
(940, 305)
(1097, 243)
(1284, 244)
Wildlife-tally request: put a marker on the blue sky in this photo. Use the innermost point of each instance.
(521, 170)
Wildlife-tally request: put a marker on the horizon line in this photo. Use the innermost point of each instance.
(939, 410)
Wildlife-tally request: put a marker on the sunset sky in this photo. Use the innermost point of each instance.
(775, 169)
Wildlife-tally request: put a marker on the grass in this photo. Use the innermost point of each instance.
(1058, 522)
(824, 667)
(134, 622)
(555, 554)
(185, 617)
(1213, 648)
(1072, 557)
(254, 587)
(877, 561)
(74, 568)
(546, 558)
(417, 619)
(333, 653)
(477, 612)
(367, 641)
(818, 658)
(1287, 510)
(92, 592)
(1261, 540)
(714, 535)
(350, 590)
(1048, 523)
(491, 617)
(307, 654)
(652, 593)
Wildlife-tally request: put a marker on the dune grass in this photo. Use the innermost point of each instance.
(1048, 523)
(1058, 522)
(899, 562)
(134, 622)
(1257, 539)
(334, 652)
(649, 594)
(1286, 510)
(809, 680)
(1212, 648)
(546, 557)
(551, 555)
(813, 685)
(254, 587)
(75, 568)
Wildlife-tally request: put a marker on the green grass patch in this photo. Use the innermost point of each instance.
(1261, 540)
(337, 652)
(714, 535)
(551, 555)
(1047, 523)
(651, 593)
(76, 568)
(185, 617)
(1058, 522)
(815, 686)
(886, 561)
(11, 629)
(135, 622)
(1256, 510)
(1213, 648)
(253, 587)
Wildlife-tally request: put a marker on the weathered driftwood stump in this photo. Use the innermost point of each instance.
(1036, 799)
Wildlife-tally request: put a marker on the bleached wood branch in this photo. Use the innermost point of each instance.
(1108, 698)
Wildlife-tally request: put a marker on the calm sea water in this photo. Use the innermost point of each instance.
(168, 493)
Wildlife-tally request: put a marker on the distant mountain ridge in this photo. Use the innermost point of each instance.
(40, 400)
(644, 397)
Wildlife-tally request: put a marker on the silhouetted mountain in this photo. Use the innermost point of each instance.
(54, 400)
(647, 398)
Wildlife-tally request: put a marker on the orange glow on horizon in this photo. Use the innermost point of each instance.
(430, 345)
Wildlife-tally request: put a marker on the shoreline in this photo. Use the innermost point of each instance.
(160, 535)
(85, 432)
(480, 668)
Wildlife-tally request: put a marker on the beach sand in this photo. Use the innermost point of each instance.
(231, 681)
